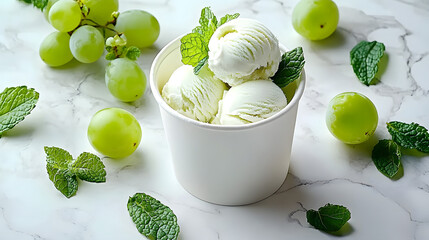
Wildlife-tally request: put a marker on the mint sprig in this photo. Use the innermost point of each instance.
(152, 218)
(386, 156)
(40, 4)
(290, 67)
(15, 104)
(364, 59)
(329, 218)
(64, 171)
(411, 136)
(194, 46)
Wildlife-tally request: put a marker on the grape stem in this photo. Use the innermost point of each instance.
(102, 26)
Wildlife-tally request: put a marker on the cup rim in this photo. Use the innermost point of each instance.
(154, 89)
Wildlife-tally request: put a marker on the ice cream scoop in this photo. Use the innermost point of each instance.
(250, 102)
(195, 96)
(242, 50)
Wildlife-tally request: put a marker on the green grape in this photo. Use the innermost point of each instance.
(351, 117)
(125, 79)
(114, 132)
(87, 44)
(54, 49)
(100, 11)
(65, 15)
(140, 27)
(48, 8)
(315, 19)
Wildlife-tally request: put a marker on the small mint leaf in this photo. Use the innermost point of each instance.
(57, 161)
(89, 167)
(15, 104)
(132, 53)
(290, 67)
(110, 56)
(208, 23)
(329, 218)
(40, 4)
(200, 65)
(411, 136)
(386, 156)
(364, 58)
(227, 18)
(152, 218)
(193, 49)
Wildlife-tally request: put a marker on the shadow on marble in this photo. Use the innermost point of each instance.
(336, 40)
(382, 66)
(21, 130)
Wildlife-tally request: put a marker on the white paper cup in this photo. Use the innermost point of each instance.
(227, 165)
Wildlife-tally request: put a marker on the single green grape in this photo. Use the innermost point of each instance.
(100, 11)
(351, 117)
(315, 19)
(48, 8)
(87, 44)
(114, 132)
(65, 15)
(125, 79)
(54, 49)
(140, 27)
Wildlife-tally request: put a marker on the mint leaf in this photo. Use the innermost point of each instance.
(110, 56)
(200, 65)
(40, 4)
(412, 136)
(194, 46)
(63, 171)
(364, 59)
(132, 53)
(227, 18)
(290, 67)
(386, 156)
(153, 219)
(329, 218)
(89, 167)
(193, 49)
(57, 166)
(208, 22)
(15, 104)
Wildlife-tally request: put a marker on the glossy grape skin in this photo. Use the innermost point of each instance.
(87, 44)
(125, 79)
(54, 49)
(48, 8)
(65, 15)
(101, 11)
(315, 19)
(140, 27)
(351, 117)
(114, 132)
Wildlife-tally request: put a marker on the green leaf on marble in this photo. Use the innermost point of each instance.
(89, 167)
(364, 59)
(57, 165)
(15, 104)
(64, 171)
(329, 218)
(152, 218)
(386, 156)
(411, 136)
(290, 67)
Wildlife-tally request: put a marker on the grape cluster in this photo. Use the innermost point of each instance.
(86, 27)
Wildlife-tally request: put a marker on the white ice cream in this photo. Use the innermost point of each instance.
(242, 50)
(195, 96)
(250, 102)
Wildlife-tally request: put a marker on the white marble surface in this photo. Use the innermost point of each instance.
(322, 169)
